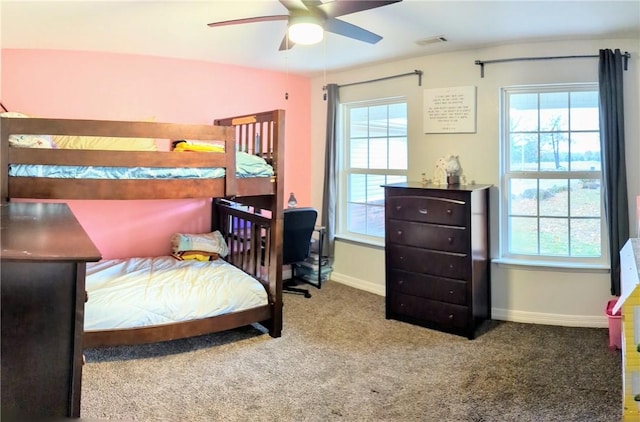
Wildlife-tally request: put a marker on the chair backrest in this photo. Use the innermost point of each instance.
(298, 227)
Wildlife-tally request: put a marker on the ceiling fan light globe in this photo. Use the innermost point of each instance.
(305, 33)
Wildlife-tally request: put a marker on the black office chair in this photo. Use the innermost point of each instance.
(296, 243)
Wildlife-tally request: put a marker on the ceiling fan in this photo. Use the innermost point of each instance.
(311, 18)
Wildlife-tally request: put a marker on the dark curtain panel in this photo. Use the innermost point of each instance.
(614, 170)
(330, 191)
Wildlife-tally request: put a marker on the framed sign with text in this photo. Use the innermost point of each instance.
(450, 110)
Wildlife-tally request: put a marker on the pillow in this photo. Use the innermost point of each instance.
(28, 141)
(31, 141)
(195, 256)
(105, 143)
(13, 114)
(206, 242)
(205, 146)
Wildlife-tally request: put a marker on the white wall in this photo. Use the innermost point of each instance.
(549, 296)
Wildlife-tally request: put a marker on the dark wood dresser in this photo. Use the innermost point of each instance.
(437, 256)
(43, 262)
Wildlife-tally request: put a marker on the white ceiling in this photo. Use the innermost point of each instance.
(179, 29)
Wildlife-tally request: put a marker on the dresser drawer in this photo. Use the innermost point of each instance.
(426, 261)
(444, 314)
(429, 236)
(430, 287)
(428, 209)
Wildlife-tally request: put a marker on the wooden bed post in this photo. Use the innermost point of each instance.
(4, 160)
(264, 134)
(278, 221)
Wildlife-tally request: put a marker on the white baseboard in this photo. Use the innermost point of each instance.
(587, 321)
(357, 283)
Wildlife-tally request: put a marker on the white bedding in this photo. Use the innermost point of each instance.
(139, 292)
(247, 165)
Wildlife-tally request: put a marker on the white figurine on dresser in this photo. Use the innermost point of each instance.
(448, 171)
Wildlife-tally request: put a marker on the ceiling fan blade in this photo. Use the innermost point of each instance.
(335, 8)
(294, 5)
(352, 31)
(250, 20)
(286, 43)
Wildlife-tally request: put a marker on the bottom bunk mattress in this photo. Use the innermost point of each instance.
(141, 292)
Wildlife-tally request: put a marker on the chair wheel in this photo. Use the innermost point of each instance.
(307, 295)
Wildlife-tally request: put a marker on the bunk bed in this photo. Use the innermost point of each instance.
(246, 208)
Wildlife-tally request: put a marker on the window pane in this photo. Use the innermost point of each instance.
(554, 198)
(378, 122)
(398, 119)
(523, 235)
(359, 122)
(357, 189)
(523, 152)
(523, 112)
(585, 151)
(378, 158)
(554, 113)
(396, 179)
(554, 236)
(357, 218)
(585, 198)
(359, 153)
(375, 192)
(584, 111)
(375, 220)
(585, 237)
(554, 151)
(524, 197)
(398, 156)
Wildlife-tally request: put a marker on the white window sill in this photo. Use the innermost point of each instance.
(361, 241)
(551, 265)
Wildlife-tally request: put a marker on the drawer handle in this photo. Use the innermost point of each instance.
(399, 232)
(451, 266)
(450, 239)
(400, 282)
(423, 211)
(449, 211)
(450, 316)
(398, 207)
(450, 292)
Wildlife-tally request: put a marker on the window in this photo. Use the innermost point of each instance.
(374, 153)
(552, 175)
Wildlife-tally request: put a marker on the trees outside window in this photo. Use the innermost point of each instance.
(551, 178)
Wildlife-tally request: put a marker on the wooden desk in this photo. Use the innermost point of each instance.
(43, 265)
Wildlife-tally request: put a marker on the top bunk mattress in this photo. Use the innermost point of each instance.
(143, 292)
(247, 165)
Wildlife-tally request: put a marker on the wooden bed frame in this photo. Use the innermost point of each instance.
(244, 205)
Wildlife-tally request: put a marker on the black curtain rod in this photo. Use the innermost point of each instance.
(415, 72)
(481, 63)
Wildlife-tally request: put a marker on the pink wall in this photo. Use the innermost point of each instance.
(66, 84)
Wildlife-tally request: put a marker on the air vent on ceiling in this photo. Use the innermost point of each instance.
(431, 40)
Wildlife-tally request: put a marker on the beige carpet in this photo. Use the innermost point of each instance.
(340, 359)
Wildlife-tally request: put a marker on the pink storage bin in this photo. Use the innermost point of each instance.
(615, 326)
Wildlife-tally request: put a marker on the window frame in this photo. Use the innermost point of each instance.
(345, 171)
(506, 175)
